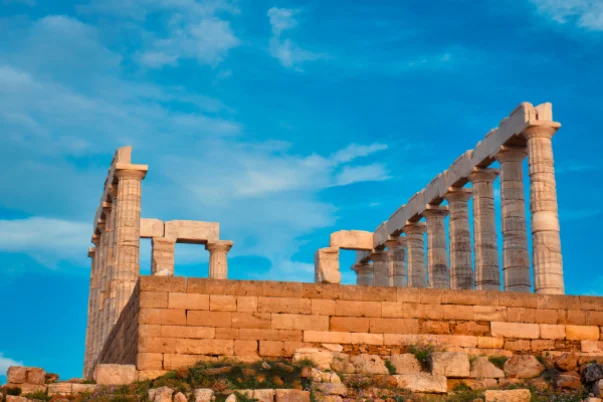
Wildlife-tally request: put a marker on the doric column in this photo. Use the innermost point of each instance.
(398, 276)
(437, 255)
(218, 263)
(96, 312)
(127, 232)
(102, 277)
(461, 273)
(110, 290)
(162, 257)
(487, 268)
(364, 273)
(546, 242)
(89, 325)
(415, 243)
(516, 260)
(380, 268)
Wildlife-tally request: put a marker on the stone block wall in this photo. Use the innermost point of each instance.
(173, 322)
(122, 343)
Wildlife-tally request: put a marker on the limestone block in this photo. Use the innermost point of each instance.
(341, 364)
(523, 366)
(151, 228)
(16, 375)
(60, 388)
(292, 395)
(368, 364)
(162, 394)
(515, 330)
(150, 374)
(474, 384)
(592, 372)
(321, 358)
(115, 374)
(194, 232)
(179, 397)
(515, 395)
(459, 171)
(487, 148)
(326, 265)
(568, 380)
(381, 235)
(450, 364)
(405, 363)
(328, 388)
(581, 333)
(203, 395)
(231, 398)
(436, 188)
(482, 368)
(416, 205)
(77, 389)
(548, 331)
(422, 382)
(352, 240)
(567, 362)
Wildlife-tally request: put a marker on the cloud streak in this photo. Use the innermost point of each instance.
(587, 14)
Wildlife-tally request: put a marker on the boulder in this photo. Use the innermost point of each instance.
(115, 374)
(474, 384)
(567, 362)
(341, 364)
(328, 388)
(49, 378)
(263, 395)
(333, 347)
(162, 394)
(483, 368)
(450, 364)
(592, 372)
(179, 397)
(368, 364)
(292, 395)
(568, 380)
(405, 363)
(324, 376)
(231, 398)
(595, 389)
(203, 395)
(422, 382)
(321, 358)
(515, 395)
(16, 375)
(523, 366)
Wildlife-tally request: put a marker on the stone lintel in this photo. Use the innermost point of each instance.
(192, 232)
(150, 228)
(352, 240)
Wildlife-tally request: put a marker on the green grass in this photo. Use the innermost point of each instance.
(498, 361)
(390, 367)
(423, 349)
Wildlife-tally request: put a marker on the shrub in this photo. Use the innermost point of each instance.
(390, 367)
(423, 349)
(498, 361)
(39, 395)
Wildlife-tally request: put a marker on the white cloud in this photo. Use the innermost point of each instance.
(587, 14)
(286, 50)
(6, 362)
(357, 174)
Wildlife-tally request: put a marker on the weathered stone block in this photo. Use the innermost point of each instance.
(153, 300)
(326, 265)
(369, 364)
(162, 283)
(223, 347)
(16, 375)
(552, 331)
(349, 324)
(188, 301)
(515, 395)
(523, 366)
(222, 303)
(482, 368)
(405, 363)
(300, 322)
(515, 330)
(323, 307)
(352, 240)
(292, 395)
(209, 319)
(357, 308)
(151, 228)
(272, 348)
(422, 382)
(366, 339)
(450, 364)
(149, 361)
(394, 325)
(247, 304)
(581, 333)
(327, 337)
(203, 395)
(284, 305)
(115, 374)
(162, 316)
(245, 348)
(320, 357)
(172, 331)
(61, 388)
(195, 232)
(252, 320)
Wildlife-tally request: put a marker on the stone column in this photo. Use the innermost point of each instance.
(546, 242)
(364, 273)
(398, 276)
(162, 259)
(127, 232)
(415, 243)
(102, 284)
(89, 325)
(218, 263)
(437, 255)
(461, 273)
(110, 290)
(516, 260)
(380, 268)
(96, 312)
(487, 267)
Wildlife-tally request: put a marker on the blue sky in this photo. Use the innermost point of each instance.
(282, 120)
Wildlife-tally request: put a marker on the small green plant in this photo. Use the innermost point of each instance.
(39, 395)
(541, 359)
(14, 391)
(244, 398)
(498, 361)
(423, 349)
(390, 367)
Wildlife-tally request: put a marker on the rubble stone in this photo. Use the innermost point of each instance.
(483, 368)
(292, 395)
(369, 364)
(405, 363)
(523, 366)
(203, 395)
(422, 382)
(567, 362)
(450, 364)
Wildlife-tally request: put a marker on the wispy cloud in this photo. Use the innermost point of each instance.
(286, 50)
(586, 14)
(6, 362)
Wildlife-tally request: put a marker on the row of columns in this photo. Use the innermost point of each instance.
(546, 248)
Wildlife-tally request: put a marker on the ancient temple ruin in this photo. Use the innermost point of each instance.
(164, 321)
(394, 254)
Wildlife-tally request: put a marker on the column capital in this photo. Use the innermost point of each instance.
(101, 225)
(379, 256)
(361, 267)
(458, 194)
(91, 252)
(219, 245)
(394, 242)
(130, 171)
(511, 154)
(481, 175)
(543, 129)
(414, 228)
(163, 240)
(112, 192)
(435, 210)
(95, 239)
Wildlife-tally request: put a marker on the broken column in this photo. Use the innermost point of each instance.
(364, 273)
(516, 259)
(162, 256)
(326, 265)
(415, 243)
(218, 263)
(461, 272)
(437, 255)
(380, 268)
(487, 269)
(398, 276)
(546, 242)
(127, 231)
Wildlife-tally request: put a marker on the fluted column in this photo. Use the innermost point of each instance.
(127, 232)
(102, 285)
(364, 273)
(380, 268)
(487, 267)
(516, 260)
(415, 243)
(110, 290)
(461, 272)
(89, 324)
(396, 251)
(96, 313)
(162, 256)
(218, 263)
(546, 242)
(437, 255)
